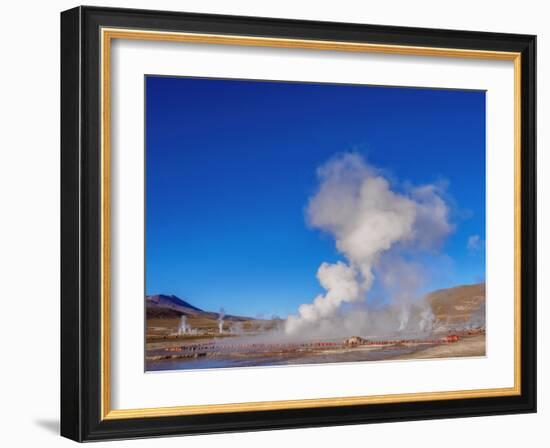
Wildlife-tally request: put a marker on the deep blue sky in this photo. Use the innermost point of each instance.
(230, 166)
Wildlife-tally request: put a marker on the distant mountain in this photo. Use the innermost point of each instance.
(164, 312)
(461, 306)
(160, 305)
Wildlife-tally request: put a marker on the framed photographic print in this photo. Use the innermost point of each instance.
(273, 223)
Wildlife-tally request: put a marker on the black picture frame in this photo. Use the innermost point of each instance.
(81, 415)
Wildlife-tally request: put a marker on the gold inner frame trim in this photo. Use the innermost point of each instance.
(107, 35)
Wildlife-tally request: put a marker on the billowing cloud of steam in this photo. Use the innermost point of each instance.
(373, 227)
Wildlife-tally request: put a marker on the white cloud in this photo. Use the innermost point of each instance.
(474, 243)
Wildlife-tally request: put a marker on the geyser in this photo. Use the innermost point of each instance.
(373, 227)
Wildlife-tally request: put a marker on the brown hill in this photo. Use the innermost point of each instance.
(163, 313)
(461, 306)
(160, 305)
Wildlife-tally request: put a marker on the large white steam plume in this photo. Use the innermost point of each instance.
(369, 222)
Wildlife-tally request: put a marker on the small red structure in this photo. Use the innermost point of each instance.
(451, 338)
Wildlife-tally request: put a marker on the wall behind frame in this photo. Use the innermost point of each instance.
(29, 228)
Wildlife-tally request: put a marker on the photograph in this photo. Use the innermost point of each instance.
(284, 221)
(295, 223)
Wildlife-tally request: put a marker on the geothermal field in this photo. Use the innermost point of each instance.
(444, 324)
(373, 303)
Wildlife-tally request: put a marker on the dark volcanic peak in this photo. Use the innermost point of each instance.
(171, 301)
(162, 305)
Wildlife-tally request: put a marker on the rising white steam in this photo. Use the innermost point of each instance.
(372, 226)
(183, 327)
(221, 316)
